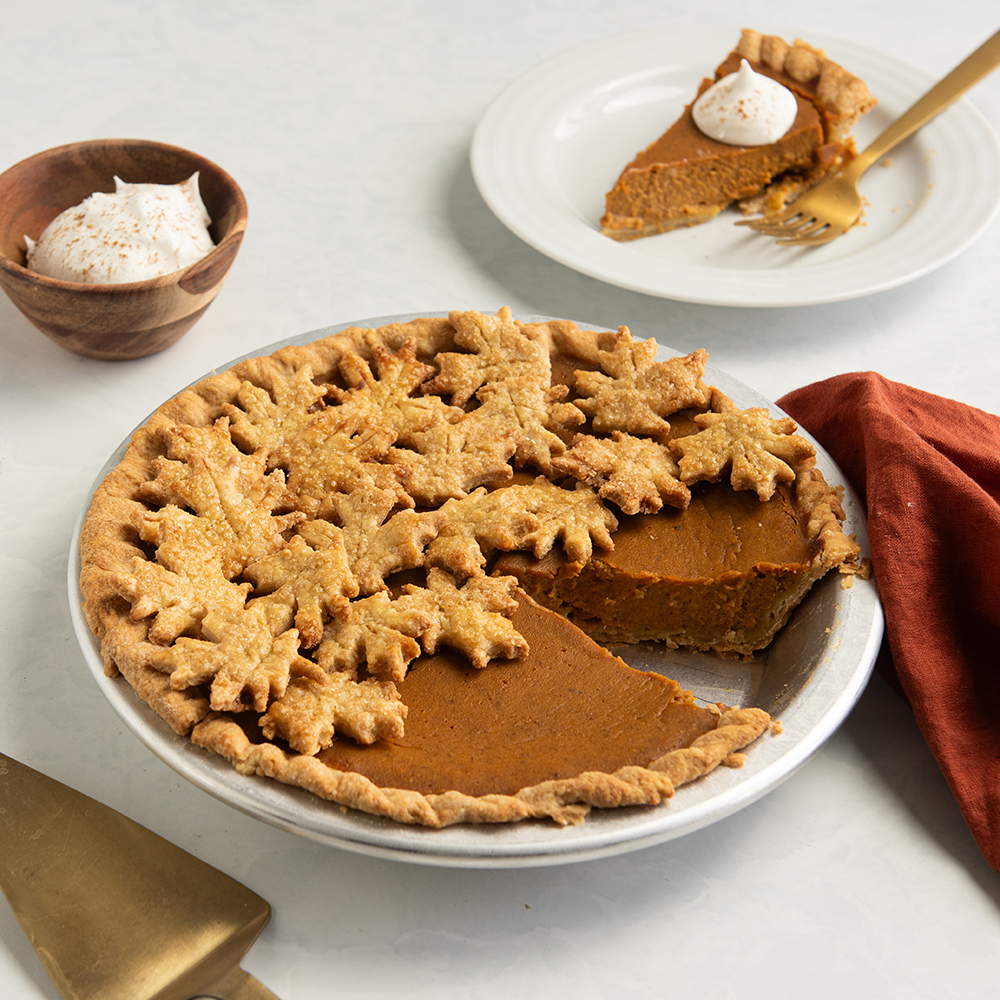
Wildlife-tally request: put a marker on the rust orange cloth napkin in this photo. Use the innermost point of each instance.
(928, 469)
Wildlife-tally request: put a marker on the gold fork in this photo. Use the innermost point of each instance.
(828, 210)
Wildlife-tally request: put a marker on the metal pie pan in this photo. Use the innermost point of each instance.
(810, 677)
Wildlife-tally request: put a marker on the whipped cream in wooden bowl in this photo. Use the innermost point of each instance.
(136, 232)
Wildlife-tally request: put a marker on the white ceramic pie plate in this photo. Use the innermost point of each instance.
(554, 141)
(809, 678)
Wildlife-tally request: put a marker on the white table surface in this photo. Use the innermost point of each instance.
(348, 127)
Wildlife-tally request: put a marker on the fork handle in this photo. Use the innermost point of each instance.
(970, 71)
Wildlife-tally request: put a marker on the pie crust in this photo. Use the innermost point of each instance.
(685, 177)
(301, 562)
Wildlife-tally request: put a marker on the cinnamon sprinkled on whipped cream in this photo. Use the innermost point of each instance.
(745, 109)
(139, 231)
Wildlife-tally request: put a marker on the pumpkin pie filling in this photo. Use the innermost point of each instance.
(686, 176)
(567, 708)
(721, 574)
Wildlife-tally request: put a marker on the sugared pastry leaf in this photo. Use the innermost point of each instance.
(264, 419)
(633, 392)
(637, 474)
(312, 711)
(386, 398)
(460, 534)
(760, 451)
(472, 528)
(245, 663)
(448, 459)
(511, 361)
(313, 583)
(338, 453)
(230, 493)
(577, 518)
(380, 633)
(185, 581)
(360, 514)
(500, 352)
(206, 630)
(399, 544)
(470, 618)
(531, 517)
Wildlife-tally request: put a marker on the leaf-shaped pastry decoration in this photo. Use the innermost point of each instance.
(184, 582)
(246, 664)
(577, 518)
(313, 710)
(760, 451)
(448, 459)
(386, 397)
(633, 392)
(637, 474)
(470, 618)
(264, 419)
(509, 360)
(231, 494)
(338, 453)
(460, 534)
(380, 633)
(314, 583)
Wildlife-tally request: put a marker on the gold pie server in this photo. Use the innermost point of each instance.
(828, 210)
(114, 911)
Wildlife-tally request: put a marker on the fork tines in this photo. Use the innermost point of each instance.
(794, 228)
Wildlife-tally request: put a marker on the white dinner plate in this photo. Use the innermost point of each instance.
(809, 678)
(554, 141)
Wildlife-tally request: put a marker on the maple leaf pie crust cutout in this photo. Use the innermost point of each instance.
(366, 566)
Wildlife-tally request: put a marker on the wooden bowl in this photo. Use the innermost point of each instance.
(113, 322)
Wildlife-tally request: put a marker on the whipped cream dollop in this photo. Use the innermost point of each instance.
(139, 231)
(745, 109)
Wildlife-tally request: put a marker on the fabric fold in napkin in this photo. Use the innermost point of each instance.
(928, 469)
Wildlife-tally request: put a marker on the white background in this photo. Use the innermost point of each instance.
(348, 127)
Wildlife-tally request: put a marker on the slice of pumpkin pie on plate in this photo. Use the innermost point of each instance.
(775, 120)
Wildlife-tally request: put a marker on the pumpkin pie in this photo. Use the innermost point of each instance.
(685, 177)
(367, 566)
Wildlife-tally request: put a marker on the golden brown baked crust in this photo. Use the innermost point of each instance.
(567, 800)
(284, 539)
(843, 96)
